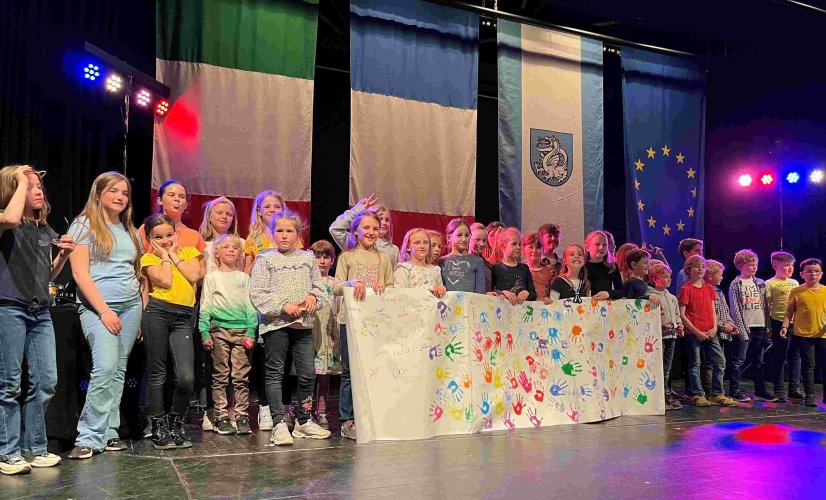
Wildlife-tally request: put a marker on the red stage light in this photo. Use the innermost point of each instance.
(767, 179)
(745, 180)
(162, 107)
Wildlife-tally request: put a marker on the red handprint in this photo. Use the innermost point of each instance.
(525, 382)
(509, 339)
(531, 363)
(497, 335)
(519, 405)
(574, 415)
(488, 344)
(611, 334)
(478, 353)
(512, 379)
(436, 411)
(593, 346)
(649, 344)
(477, 336)
(488, 372)
(540, 395)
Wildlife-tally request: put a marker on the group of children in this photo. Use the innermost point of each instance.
(263, 305)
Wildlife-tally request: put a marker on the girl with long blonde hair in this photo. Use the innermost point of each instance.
(267, 203)
(105, 266)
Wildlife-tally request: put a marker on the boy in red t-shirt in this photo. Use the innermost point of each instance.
(696, 301)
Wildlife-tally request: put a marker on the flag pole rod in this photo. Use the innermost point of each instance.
(567, 29)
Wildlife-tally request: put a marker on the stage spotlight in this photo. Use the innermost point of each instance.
(114, 83)
(91, 72)
(162, 107)
(745, 180)
(767, 179)
(792, 177)
(143, 97)
(816, 176)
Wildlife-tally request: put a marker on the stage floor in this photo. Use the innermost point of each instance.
(762, 450)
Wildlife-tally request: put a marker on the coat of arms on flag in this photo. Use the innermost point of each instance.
(551, 156)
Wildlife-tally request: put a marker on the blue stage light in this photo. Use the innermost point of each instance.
(792, 177)
(91, 72)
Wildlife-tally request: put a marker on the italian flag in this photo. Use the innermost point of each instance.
(241, 74)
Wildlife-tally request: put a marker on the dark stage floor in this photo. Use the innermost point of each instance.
(755, 451)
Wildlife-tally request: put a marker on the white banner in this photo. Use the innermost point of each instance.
(424, 367)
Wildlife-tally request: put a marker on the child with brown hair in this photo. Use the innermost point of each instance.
(326, 339)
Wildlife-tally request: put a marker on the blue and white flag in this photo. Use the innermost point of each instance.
(664, 107)
(550, 130)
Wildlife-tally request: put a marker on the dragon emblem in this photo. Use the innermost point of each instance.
(550, 162)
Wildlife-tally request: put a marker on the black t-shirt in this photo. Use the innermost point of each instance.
(513, 279)
(26, 263)
(635, 289)
(605, 279)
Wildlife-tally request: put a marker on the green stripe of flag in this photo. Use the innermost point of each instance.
(266, 36)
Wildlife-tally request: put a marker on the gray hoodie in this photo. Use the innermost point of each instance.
(340, 229)
(670, 310)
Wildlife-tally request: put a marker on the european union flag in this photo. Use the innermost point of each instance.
(664, 108)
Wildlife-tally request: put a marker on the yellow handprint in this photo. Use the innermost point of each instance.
(455, 412)
(441, 374)
(497, 378)
(498, 405)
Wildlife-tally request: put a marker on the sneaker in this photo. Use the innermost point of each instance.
(310, 429)
(242, 424)
(722, 400)
(281, 435)
(14, 466)
(740, 396)
(700, 401)
(206, 424)
(322, 421)
(765, 396)
(673, 404)
(809, 400)
(147, 431)
(796, 395)
(348, 429)
(289, 419)
(115, 445)
(80, 453)
(224, 426)
(781, 397)
(177, 431)
(234, 423)
(45, 460)
(264, 418)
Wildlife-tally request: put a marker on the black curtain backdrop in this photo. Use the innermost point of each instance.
(49, 118)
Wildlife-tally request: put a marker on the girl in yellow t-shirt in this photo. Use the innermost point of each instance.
(167, 327)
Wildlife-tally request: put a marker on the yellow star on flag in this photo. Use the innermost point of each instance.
(639, 164)
(636, 184)
(690, 211)
(665, 150)
(680, 157)
(651, 221)
(680, 225)
(666, 230)
(650, 152)
(691, 173)
(641, 204)
(694, 193)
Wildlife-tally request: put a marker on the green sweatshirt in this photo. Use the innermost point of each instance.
(225, 303)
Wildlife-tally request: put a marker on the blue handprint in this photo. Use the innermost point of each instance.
(558, 388)
(605, 394)
(553, 336)
(646, 379)
(557, 316)
(441, 306)
(626, 389)
(556, 357)
(533, 336)
(585, 391)
(483, 318)
(545, 315)
(498, 313)
(456, 390)
(485, 404)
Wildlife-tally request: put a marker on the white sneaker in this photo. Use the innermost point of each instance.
(14, 466)
(45, 460)
(281, 435)
(264, 419)
(206, 424)
(310, 429)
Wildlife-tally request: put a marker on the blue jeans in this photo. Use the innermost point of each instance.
(100, 418)
(714, 357)
(345, 401)
(29, 333)
(736, 350)
(668, 358)
(277, 344)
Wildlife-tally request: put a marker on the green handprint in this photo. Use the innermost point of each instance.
(641, 397)
(572, 369)
(624, 360)
(453, 349)
(469, 414)
(528, 314)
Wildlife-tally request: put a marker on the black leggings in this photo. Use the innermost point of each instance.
(167, 332)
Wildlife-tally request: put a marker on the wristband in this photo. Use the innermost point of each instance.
(100, 314)
(166, 260)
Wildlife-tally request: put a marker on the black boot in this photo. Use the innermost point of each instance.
(161, 439)
(177, 432)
